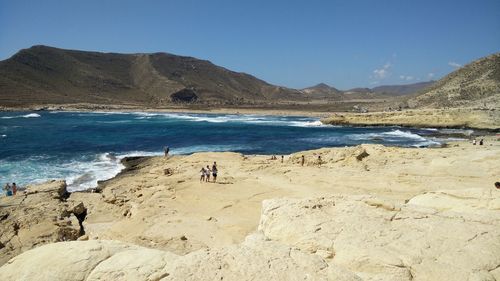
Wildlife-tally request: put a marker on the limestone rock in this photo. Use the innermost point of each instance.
(255, 259)
(56, 189)
(451, 235)
(36, 217)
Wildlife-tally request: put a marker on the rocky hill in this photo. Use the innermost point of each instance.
(47, 75)
(401, 90)
(474, 85)
(323, 91)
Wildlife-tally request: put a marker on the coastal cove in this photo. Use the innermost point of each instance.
(84, 147)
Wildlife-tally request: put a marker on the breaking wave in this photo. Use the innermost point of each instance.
(30, 115)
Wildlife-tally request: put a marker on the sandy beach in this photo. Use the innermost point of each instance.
(159, 203)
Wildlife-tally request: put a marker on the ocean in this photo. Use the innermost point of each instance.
(84, 147)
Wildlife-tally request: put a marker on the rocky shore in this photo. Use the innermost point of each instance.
(430, 118)
(368, 212)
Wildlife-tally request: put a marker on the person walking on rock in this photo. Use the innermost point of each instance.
(302, 161)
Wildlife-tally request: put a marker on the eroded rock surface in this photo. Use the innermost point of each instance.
(38, 216)
(254, 259)
(446, 235)
(439, 235)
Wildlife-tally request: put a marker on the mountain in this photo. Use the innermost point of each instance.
(401, 90)
(475, 84)
(322, 91)
(47, 75)
(393, 90)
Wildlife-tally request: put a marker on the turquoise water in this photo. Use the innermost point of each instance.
(85, 147)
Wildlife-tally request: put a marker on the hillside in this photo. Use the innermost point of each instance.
(474, 85)
(47, 75)
(401, 90)
(323, 91)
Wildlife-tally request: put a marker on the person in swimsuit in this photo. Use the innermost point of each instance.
(14, 188)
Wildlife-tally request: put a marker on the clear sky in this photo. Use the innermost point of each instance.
(291, 43)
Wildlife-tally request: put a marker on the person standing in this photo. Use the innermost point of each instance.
(207, 174)
(202, 174)
(481, 142)
(14, 188)
(282, 158)
(214, 171)
(6, 189)
(166, 149)
(302, 161)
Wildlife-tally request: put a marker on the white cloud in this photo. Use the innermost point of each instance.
(383, 72)
(406, 77)
(454, 64)
(430, 75)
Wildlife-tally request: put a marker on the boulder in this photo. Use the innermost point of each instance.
(56, 189)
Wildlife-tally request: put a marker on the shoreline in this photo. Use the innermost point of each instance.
(453, 118)
(132, 164)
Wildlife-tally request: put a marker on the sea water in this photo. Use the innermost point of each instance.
(84, 147)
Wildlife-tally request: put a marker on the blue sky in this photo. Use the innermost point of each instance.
(291, 43)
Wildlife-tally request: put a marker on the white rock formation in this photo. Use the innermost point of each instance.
(445, 235)
(449, 235)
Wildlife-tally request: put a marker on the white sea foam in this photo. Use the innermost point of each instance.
(464, 132)
(395, 136)
(235, 118)
(30, 115)
(3, 136)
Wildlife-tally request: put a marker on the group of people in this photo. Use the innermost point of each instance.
(481, 142)
(205, 173)
(276, 158)
(10, 190)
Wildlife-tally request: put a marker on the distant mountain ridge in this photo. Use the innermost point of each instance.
(47, 75)
(43, 75)
(323, 90)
